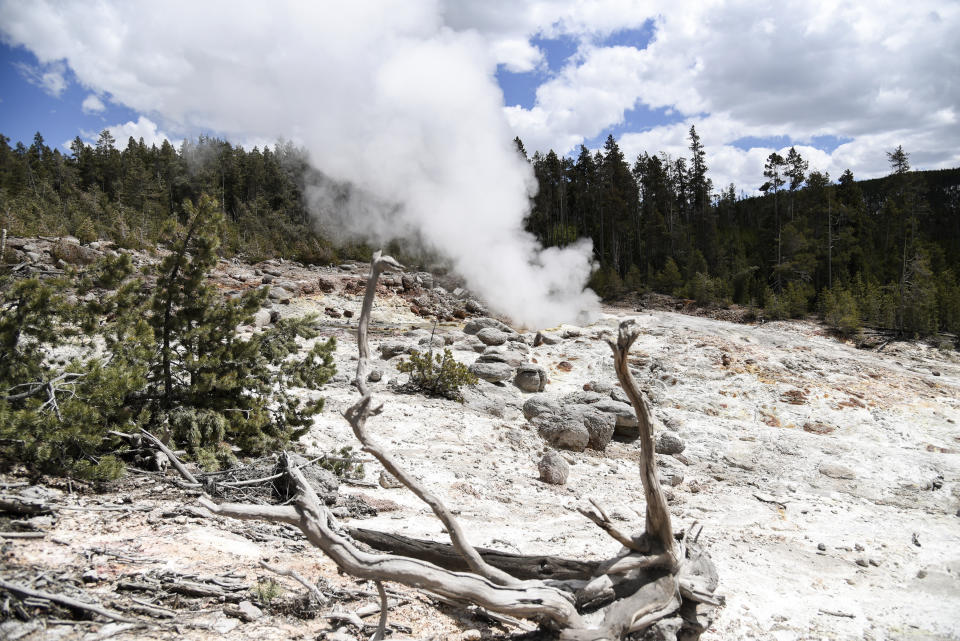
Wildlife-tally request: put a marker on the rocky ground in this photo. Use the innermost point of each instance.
(826, 478)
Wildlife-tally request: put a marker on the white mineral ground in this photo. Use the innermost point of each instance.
(884, 477)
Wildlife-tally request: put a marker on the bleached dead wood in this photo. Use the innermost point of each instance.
(659, 575)
(69, 602)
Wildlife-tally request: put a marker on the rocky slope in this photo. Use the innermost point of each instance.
(826, 478)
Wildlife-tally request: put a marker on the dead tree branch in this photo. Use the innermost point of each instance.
(64, 600)
(658, 575)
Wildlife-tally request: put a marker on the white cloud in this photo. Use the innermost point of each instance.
(92, 105)
(879, 74)
(517, 54)
(49, 77)
(142, 128)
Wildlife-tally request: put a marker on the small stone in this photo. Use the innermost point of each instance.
(90, 576)
(858, 547)
(248, 611)
(325, 285)
(921, 574)
(669, 443)
(274, 316)
(822, 547)
(862, 562)
(553, 469)
(470, 635)
(347, 313)
(280, 294)
(544, 339)
(837, 471)
(472, 306)
(374, 376)
(935, 373)
(389, 349)
(261, 318)
(388, 481)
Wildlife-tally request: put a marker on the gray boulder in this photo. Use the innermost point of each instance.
(626, 418)
(564, 430)
(470, 343)
(261, 318)
(600, 426)
(669, 443)
(474, 325)
(280, 294)
(553, 469)
(540, 404)
(501, 355)
(436, 342)
(492, 336)
(491, 372)
(389, 349)
(598, 387)
(530, 378)
(544, 338)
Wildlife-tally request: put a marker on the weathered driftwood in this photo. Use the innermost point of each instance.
(444, 555)
(658, 575)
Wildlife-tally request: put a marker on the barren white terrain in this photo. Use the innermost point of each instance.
(826, 479)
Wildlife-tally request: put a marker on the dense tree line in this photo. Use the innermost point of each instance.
(884, 252)
(129, 195)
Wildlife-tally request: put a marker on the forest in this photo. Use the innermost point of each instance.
(881, 253)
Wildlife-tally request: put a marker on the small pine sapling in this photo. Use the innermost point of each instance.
(436, 374)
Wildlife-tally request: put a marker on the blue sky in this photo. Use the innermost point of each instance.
(841, 82)
(55, 109)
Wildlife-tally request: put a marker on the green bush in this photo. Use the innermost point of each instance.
(792, 302)
(437, 375)
(606, 282)
(668, 280)
(839, 310)
(704, 290)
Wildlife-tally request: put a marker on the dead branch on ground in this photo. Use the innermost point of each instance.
(659, 575)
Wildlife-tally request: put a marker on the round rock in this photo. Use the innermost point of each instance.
(669, 443)
(492, 372)
(492, 336)
(530, 378)
(540, 404)
(564, 430)
(553, 469)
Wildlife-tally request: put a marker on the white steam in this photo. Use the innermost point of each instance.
(382, 95)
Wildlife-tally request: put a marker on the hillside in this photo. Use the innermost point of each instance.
(826, 479)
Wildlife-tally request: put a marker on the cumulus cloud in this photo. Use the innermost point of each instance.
(49, 77)
(876, 75)
(92, 104)
(142, 128)
(383, 94)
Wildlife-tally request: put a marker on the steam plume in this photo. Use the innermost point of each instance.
(382, 95)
